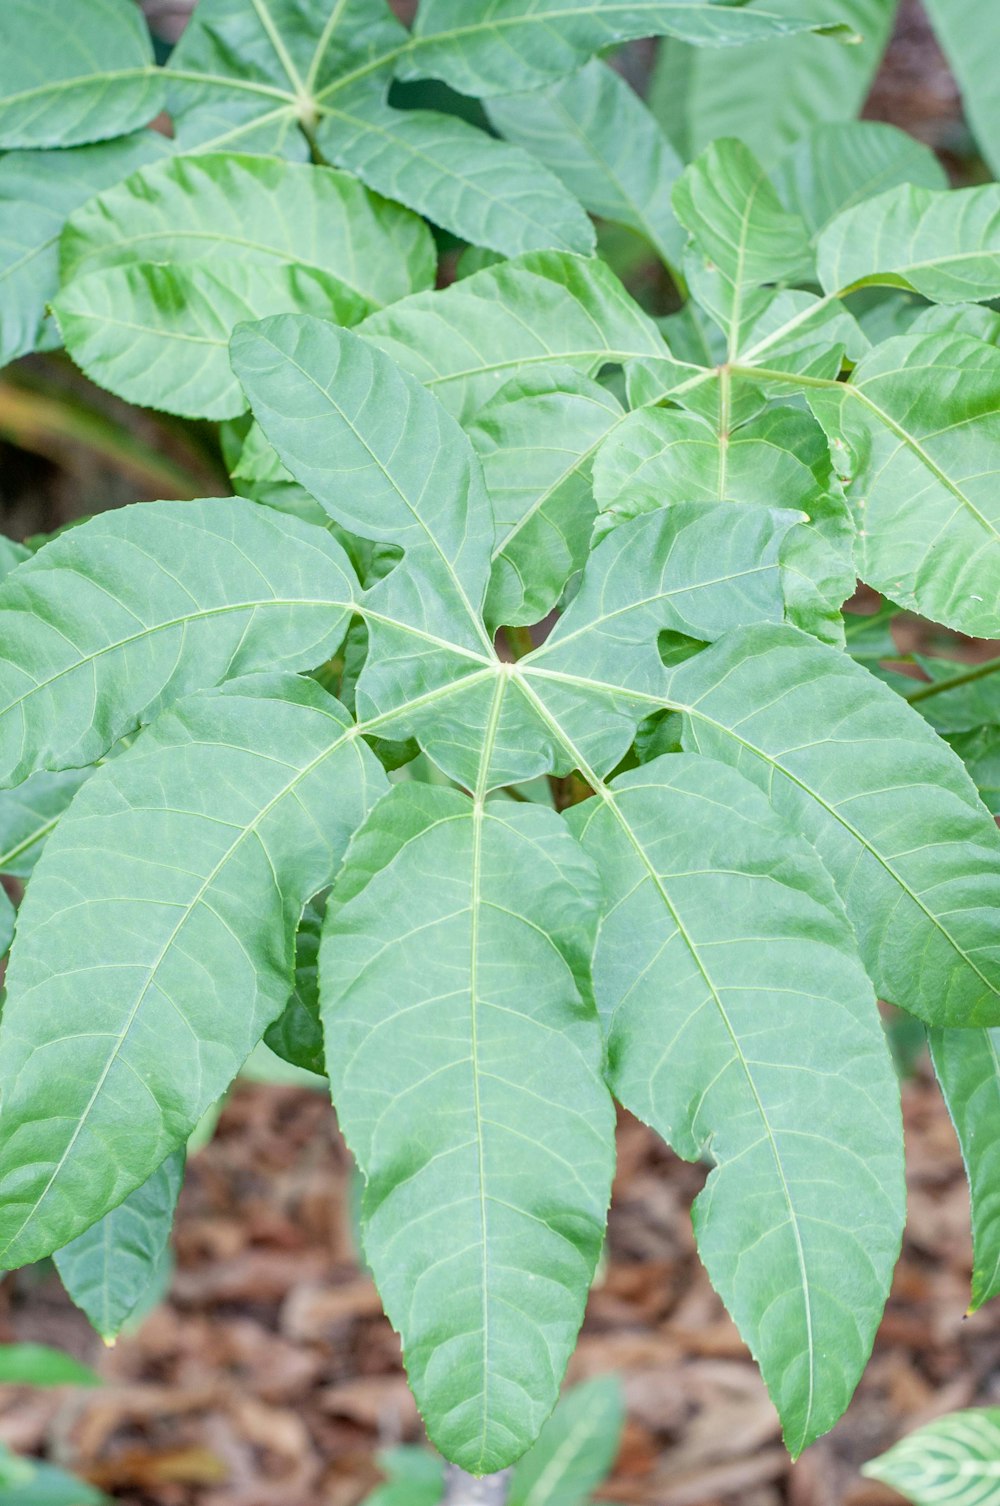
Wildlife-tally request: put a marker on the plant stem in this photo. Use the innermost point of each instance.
(936, 687)
(461, 1489)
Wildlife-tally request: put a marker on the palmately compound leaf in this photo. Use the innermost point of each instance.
(470, 1091)
(228, 208)
(465, 342)
(725, 968)
(147, 901)
(37, 192)
(886, 804)
(576, 1448)
(536, 439)
(783, 90)
(967, 1063)
(955, 1459)
(917, 429)
(158, 335)
(942, 245)
(87, 78)
(113, 620)
(598, 137)
(515, 44)
(846, 163)
(109, 1269)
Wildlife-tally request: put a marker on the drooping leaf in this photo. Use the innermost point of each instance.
(446, 1065)
(598, 137)
(890, 810)
(966, 30)
(718, 1036)
(228, 208)
(536, 439)
(87, 78)
(783, 90)
(943, 245)
(37, 192)
(113, 620)
(38, 1365)
(108, 1269)
(842, 164)
(954, 1459)
(917, 429)
(576, 1448)
(465, 342)
(297, 1035)
(183, 967)
(526, 43)
(158, 335)
(967, 1063)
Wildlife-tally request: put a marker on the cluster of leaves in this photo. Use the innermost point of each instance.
(292, 754)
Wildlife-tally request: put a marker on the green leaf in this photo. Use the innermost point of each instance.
(37, 1365)
(890, 810)
(416, 1478)
(113, 620)
(25, 1482)
(297, 1035)
(842, 164)
(967, 1063)
(109, 1269)
(159, 335)
(11, 554)
(917, 429)
(575, 1450)
(88, 78)
(954, 1459)
(743, 235)
(967, 32)
(945, 246)
(229, 209)
(980, 752)
(148, 894)
(536, 439)
(724, 967)
(659, 457)
(472, 1098)
(783, 90)
(595, 133)
(37, 192)
(29, 813)
(521, 44)
(465, 342)
(958, 696)
(482, 190)
(959, 319)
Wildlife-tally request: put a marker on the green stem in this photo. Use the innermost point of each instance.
(936, 687)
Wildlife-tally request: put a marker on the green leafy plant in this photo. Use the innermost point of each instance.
(955, 1460)
(27, 1482)
(503, 746)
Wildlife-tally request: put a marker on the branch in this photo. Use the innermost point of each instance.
(461, 1489)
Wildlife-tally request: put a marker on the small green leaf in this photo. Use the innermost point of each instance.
(37, 1365)
(109, 1269)
(575, 1450)
(471, 1094)
(955, 1459)
(87, 78)
(967, 1063)
(416, 1478)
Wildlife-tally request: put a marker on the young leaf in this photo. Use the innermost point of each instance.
(724, 967)
(595, 133)
(918, 429)
(472, 1098)
(113, 620)
(108, 1269)
(158, 335)
(945, 246)
(888, 807)
(86, 79)
(229, 209)
(37, 192)
(967, 1063)
(464, 343)
(149, 890)
(954, 1459)
(517, 44)
(843, 164)
(536, 439)
(575, 1450)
